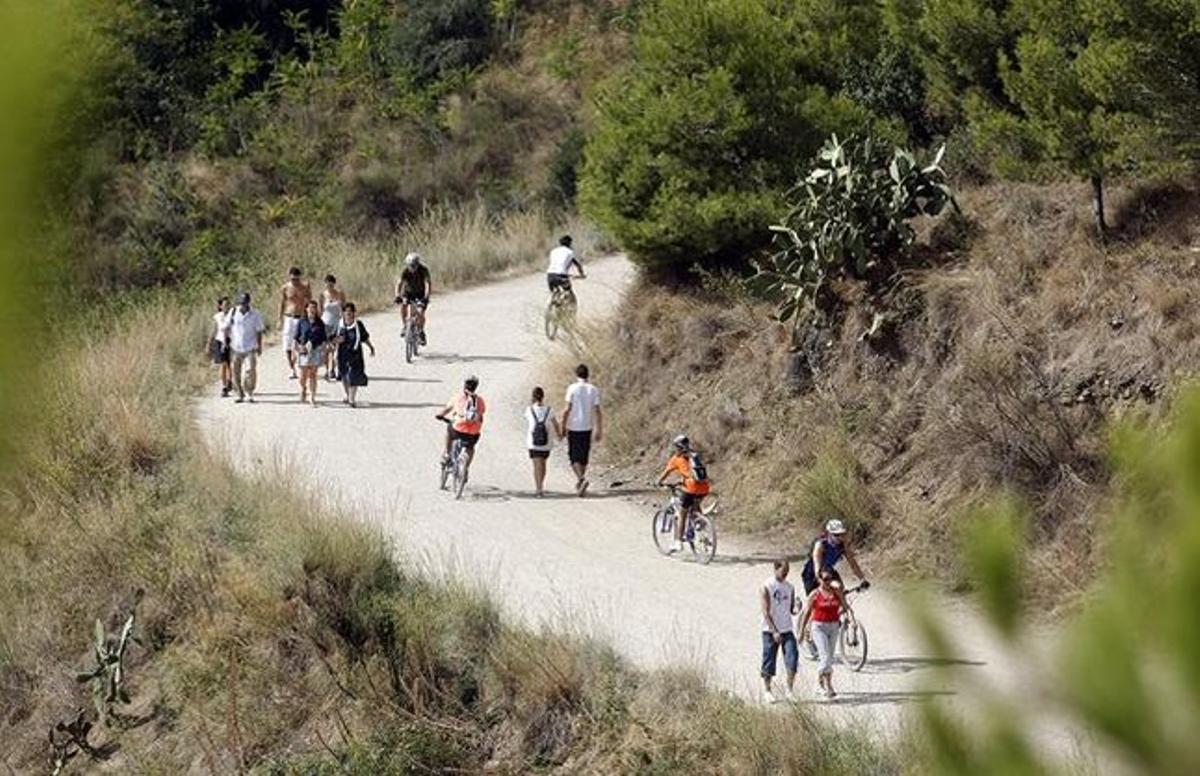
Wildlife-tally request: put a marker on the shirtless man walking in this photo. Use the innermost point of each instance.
(292, 299)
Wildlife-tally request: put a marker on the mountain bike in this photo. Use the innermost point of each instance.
(560, 311)
(454, 467)
(852, 635)
(700, 533)
(414, 327)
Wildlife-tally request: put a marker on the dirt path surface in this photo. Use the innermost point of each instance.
(562, 563)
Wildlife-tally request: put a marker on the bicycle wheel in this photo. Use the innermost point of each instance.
(662, 528)
(552, 319)
(704, 538)
(460, 472)
(852, 643)
(443, 474)
(410, 344)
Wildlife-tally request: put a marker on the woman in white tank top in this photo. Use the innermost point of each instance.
(541, 427)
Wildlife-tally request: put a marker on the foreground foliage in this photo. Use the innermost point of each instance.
(1136, 688)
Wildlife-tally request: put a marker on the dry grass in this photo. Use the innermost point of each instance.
(1005, 359)
(461, 245)
(275, 638)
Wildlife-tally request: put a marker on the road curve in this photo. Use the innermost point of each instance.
(569, 565)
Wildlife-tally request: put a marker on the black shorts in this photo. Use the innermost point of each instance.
(543, 454)
(469, 440)
(689, 500)
(811, 582)
(558, 281)
(579, 446)
(218, 352)
(414, 299)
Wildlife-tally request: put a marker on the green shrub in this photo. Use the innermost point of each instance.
(434, 39)
(696, 144)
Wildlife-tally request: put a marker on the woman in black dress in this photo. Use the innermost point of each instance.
(352, 335)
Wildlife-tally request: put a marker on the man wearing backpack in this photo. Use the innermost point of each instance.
(695, 485)
(465, 409)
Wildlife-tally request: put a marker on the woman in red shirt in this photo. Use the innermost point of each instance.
(822, 610)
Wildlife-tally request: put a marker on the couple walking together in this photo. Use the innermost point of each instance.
(581, 423)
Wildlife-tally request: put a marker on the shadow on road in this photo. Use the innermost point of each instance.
(391, 379)
(397, 405)
(905, 665)
(500, 494)
(854, 699)
(747, 559)
(450, 358)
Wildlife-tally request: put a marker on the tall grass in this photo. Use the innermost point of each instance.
(461, 245)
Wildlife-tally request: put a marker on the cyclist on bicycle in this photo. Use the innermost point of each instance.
(558, 274)
(823, 555)
(825, 552)
(694, 484)
(413, 287)
(465, 410)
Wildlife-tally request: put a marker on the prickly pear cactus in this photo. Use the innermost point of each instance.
(107, 678)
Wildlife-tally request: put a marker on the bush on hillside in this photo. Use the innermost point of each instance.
(434, 39)
(697, 143)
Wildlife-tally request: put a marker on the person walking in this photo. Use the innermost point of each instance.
(777, 599)
(332, 299)
(245, 346)
(352, 335)
(218, 345)
(583, 424)
(293, 296)
(310, 350)
(539, 421)
(822, 612)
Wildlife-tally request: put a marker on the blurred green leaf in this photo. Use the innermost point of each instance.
(992, 550)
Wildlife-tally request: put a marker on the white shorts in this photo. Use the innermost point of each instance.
(290, 327)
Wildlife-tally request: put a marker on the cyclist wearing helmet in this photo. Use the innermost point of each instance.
(693, 481)
(465, 410)
(825, 552)
(413, 286)
(562, 259)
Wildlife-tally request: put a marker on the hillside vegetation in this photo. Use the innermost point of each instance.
(171, 150)
(930, 358)
(1000, 366)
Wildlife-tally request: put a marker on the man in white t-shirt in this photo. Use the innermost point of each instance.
(562, 258)
(777, 599)
(245, 346)
(583, 423)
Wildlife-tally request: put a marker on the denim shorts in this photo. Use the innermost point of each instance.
(770, 650)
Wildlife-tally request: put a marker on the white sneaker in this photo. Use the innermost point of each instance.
(768, 697)
(675, 547)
